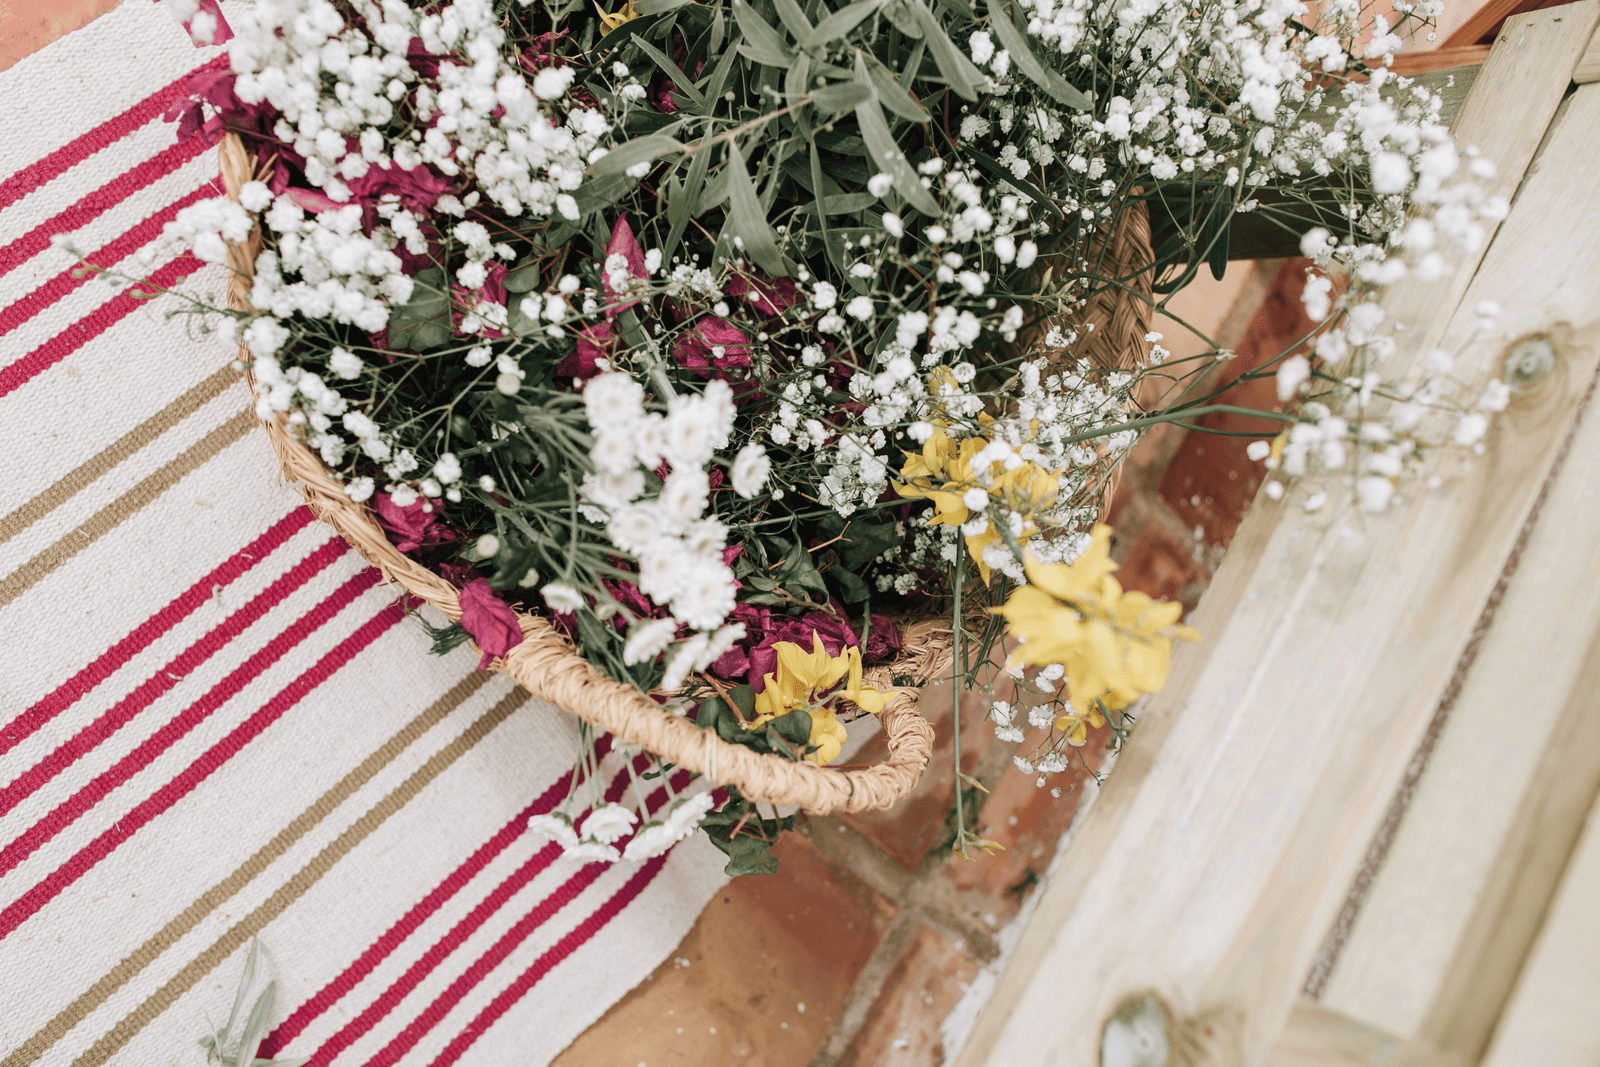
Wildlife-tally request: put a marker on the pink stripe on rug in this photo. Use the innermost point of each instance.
(91, 326)
(164, 680)
(465, 928)
(80, 684)
(18, 912)
(101, 200)
(69, 810)
(419, 913)
(107, 255)
(569, 943)
(108, 132)
(546, 909)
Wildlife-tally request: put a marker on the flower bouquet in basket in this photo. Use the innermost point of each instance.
(725, 371)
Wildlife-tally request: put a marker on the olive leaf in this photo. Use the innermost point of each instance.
(885, 152)
(840, 23)
(762, 43)
(639, 150)
(1012, 40)
(746, 219)
(891, 94)
(957, 69)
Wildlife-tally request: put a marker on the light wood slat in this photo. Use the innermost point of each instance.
(1512, 100)
(1214, 861)
(1437, 945)
(1588, 68)
(1317, 1037)
(1553, 1019)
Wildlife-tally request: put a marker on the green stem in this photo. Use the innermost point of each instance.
(955, 694)
(1179, 416)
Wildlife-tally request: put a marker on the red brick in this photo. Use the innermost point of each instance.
(910, 829)
(1028, 822)
(1211, 482)
(902, 1027)
(1158, 565)
(761, 947)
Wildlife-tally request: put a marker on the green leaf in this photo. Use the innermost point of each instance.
(841, 97)
(840, 23)
(744, 698)
(748, 855)
(958, 70)
(445, 638)
(523, 279)
(866, 541)
(760, 37)
(847, 204)
(255, 1030)
(854, 589)
(892, 95)
(798, 79)
(681, 82)
(719, 32)
(246, 980)
(795, 728)
(658, 7)
(1013, 41)
(886, 153)
(746, 218)
(634, 152)
(1026, 189)
(793, 18)
(423, 322)
(899, 13)
(693, 186)
(602, 192)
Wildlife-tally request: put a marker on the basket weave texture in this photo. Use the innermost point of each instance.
(547, 665)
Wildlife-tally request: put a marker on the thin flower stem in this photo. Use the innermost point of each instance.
(959, 668)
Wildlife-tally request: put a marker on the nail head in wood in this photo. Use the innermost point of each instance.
(1138, 1034)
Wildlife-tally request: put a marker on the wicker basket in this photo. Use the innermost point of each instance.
(547, 665)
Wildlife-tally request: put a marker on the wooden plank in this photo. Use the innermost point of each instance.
(1553, 1019)
(1451, 914)
(1588, 68)
(1223, 845)
(1317, 1037)
(1515, 94)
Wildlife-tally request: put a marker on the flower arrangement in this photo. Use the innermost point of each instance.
(730, 336)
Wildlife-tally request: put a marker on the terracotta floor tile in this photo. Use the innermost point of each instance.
(28, 25)
(731, 992)
(902, 1028)
(1210, 481)
(912, 827)
(1161, 567)
(1029, 822)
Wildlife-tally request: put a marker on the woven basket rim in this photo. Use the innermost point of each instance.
(549, 667)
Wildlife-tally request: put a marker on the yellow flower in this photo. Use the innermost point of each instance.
(1114, 645)
(943, 474)
(812, 680)
(611, 22)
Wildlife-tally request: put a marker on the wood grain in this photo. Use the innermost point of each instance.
(1225, 842)
(1553, 1020)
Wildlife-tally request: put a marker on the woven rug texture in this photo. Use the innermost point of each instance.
(215, 723)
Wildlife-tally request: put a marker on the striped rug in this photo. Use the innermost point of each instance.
(215, 723)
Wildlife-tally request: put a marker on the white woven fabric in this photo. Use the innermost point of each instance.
(214, 723)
